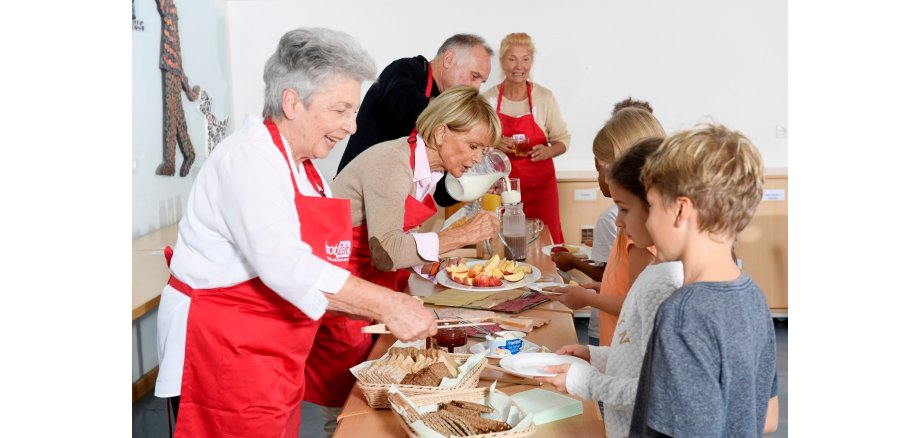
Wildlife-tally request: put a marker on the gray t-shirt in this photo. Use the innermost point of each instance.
(710, 365)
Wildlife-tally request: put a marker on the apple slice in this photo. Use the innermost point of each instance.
(497, 273)
(470, 281)
(524, 268)
(482, 280)
(475, 270)
(492, 264)
(458, 268)
(517, 276)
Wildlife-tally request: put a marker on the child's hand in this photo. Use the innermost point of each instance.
(576, 350)
(559, 379)
(574, 297)
(564, 260)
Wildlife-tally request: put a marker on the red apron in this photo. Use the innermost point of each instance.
(246, 346)
(340, 344)
(539, 192)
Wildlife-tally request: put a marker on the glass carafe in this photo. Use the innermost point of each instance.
(513, 231)
(477, 181)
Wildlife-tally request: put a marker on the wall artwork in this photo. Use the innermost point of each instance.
(175, 82)
(217, 129)
(138, 25)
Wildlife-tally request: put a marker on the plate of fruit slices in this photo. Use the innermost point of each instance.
(580, 251)
(495, 274)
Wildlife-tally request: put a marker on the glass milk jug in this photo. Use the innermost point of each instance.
(477, 181)
(513, 231)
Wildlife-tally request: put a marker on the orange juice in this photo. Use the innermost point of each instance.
(491, 202)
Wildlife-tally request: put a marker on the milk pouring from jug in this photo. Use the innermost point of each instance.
(477, 181)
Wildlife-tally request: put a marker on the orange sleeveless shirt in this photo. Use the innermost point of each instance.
(615, 282)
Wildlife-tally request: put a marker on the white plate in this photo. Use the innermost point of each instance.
(582, 250)
(532, 364)
(445, 281)
(540, 285)
(528, 347)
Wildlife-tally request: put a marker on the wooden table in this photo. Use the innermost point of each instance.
(148, 276)
(360, 420)
(149, 272)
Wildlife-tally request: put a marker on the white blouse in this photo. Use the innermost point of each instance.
(241, 222)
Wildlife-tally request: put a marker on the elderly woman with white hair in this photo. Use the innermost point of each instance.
(262, 252)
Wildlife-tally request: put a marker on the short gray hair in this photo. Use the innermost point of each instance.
(308, 57)
(462, 43)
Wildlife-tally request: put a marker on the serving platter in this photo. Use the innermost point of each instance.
(443, 278)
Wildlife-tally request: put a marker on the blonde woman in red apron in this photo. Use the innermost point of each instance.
(536, 122)
(262, 251)
(389, 186)
(340, 344)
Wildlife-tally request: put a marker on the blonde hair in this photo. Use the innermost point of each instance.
(720, 170)
(516, 39)
(632, 120)
(461, 109)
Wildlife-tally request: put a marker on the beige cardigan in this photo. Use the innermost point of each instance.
(377, 182)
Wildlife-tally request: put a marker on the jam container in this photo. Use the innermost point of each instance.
(505, 343)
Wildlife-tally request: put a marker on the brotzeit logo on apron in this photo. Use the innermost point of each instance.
(339, 252)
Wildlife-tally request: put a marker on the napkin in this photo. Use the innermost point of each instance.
(455, 298)
(520, 304)
(547, 406)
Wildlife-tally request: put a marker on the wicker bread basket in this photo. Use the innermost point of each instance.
(470, 394)
(376, 393)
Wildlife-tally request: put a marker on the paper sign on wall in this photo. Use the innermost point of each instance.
(774, 195)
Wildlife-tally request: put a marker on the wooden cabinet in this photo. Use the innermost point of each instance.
(762, 248)
(577, 212)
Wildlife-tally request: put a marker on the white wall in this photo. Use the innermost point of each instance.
(158, 201)
(723, 59)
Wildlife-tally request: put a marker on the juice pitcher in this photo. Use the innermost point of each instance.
(513, 233)
(477, 181)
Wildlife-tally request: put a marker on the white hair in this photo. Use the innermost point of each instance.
(306, 58)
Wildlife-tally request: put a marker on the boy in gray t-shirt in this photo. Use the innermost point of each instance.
(710, 365)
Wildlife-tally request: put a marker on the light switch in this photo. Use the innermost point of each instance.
(586, 194)
(774, 195)
(781, 131)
